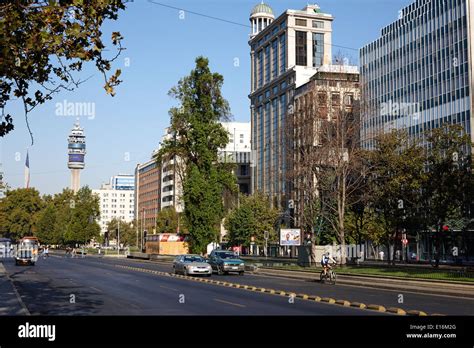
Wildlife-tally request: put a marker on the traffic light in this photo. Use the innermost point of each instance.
(445, 228)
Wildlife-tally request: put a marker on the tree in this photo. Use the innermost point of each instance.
(168, 220)
(397, 178)
(19, 213)
(44, 43)
(450, 183)
(85, 211)
(127, 233)
(197, 135)
(46, 231)
(253, 216)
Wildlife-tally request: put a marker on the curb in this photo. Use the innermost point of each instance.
(376, 308)
(417, 313)
(396, 310)
(358, 305)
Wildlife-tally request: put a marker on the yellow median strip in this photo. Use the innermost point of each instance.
(396, 310)
(376, 308)
(328, 300)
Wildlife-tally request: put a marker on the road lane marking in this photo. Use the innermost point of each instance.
(166, 287)
(230, 303)
(93, 288)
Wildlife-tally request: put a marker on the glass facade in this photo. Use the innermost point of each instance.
(282, 54)
(318, 49)
(416, 75)
(301, 48)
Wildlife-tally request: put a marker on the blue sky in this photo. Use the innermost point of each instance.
(160, 49)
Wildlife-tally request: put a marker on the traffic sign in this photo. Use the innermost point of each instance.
(405, 241)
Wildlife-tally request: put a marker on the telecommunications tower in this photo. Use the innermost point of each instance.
(76, 152)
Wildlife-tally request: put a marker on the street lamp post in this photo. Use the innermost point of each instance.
(118, 236)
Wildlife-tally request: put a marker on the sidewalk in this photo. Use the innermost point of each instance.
(10, 302)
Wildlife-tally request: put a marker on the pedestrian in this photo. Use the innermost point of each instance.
(381, 254)
(73, 254)
(45, 252)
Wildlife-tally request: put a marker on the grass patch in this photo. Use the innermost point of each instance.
(395, 272)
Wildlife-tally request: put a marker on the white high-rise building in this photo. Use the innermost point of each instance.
(115, 203)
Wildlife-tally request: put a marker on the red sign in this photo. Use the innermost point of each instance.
(405, 241)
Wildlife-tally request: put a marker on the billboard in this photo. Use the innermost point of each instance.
(291, 236)
(76, 157)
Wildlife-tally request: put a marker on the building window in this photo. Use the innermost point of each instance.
(318, 24)
(282, 54)
(267, 64)
(318, 49)
(336, 99)
(301, 48)
(301, 22)
(348, 99)
(274, 58)
(260, 68)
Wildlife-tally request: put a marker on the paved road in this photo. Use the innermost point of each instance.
(93, 286)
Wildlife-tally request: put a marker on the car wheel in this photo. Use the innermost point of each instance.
(185, 272)
(220, 270)
(241, 273)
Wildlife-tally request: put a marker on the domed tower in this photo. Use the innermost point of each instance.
(76, 151)
(260, 18)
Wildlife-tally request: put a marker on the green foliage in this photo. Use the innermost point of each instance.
(63, 219)
(397, 180)
(46, 231)
(252, 218)
(168, 220)
(450, 182)
(128, 234)
(44, 43)
(197, 136)
(19, 213)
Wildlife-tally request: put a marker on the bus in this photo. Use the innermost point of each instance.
(27, 251)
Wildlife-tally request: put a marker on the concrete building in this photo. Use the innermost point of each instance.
(285, 52)
(76, 154)
(238, 151)
(419, 74)
(172, 170)
(115, 203)
(147, 194)
(332, 94)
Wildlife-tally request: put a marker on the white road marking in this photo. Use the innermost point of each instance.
(230, 303)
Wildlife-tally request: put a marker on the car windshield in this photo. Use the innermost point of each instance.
(193, 259)
(227, 255)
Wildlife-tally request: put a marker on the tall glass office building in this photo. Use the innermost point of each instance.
(419, 73)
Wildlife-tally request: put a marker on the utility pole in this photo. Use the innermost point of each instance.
(118, 236)
(143, 228)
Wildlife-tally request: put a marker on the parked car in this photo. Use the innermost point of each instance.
(224, 261)
(191, 265)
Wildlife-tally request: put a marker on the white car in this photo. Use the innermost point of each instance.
(191, 265)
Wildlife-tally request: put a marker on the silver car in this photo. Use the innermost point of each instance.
(191, 265)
